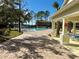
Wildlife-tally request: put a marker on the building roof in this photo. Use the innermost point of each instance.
(69, 6)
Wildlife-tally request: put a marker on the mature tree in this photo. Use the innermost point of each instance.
(43, 23)
(58, 24)
(17, 11)
(18, 3)
(28, 17)
(5, 9)
(47, 13)
(56, 5)
(9, 12)
(5, 12)
(42, 15)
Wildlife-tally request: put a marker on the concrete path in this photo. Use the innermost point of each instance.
(34, 46)
(33, 34)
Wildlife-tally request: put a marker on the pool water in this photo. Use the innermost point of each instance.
(38, 29)
(76, 36)
(33, 29)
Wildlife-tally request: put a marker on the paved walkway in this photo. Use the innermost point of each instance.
(34, 46)
(33, 34)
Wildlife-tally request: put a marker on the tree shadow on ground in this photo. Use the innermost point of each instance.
(32, 43)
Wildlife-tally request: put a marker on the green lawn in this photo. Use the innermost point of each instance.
(10, 34)
(14, 33)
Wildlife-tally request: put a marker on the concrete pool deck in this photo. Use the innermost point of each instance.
(34, 34)
(34, 45)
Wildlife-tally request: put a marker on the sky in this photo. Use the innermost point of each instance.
(41, 5)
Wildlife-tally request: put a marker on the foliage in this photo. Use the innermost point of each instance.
(56, 5)
(47, 13)
(42, 15)
(39, 14)
(43, 23)
(28, 16)
(10, 13)
(58, 23)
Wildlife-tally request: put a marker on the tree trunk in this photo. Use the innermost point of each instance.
(19, 16)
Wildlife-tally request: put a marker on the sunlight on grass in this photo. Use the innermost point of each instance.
(14, 33)
(9, 34)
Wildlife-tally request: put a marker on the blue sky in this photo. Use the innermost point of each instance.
(41, 5)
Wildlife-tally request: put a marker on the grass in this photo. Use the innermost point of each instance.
(10, 34)
(73, 46)
(14, 33)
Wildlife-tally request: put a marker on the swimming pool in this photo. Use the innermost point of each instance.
(38, 29)
(75, 37)
(34, 29)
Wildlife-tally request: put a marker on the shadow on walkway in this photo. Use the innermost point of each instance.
(31, 45)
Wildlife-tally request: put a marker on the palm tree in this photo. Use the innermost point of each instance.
(56, 5)
(58, 23)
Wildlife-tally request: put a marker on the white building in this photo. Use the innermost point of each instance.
(68, 12)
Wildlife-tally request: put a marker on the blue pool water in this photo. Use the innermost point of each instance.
(77, 37)
(38, 29)
(33, 29)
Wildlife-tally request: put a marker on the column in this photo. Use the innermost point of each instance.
(53, 25)
(62, 35)
(74, 27)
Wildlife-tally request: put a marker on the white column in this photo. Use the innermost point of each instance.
(74, 27)
(62, 35)
(53, 27)
(53, 24)
(63, 26)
